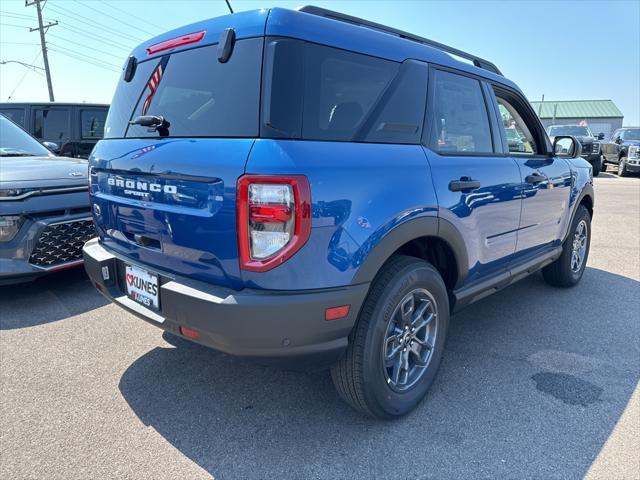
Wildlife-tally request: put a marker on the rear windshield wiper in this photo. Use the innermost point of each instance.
(154, 122)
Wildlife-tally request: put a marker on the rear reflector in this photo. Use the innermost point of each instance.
(334, 313)
(188, 332)
(176, 42)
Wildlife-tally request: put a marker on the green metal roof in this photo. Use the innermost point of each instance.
(577, 109)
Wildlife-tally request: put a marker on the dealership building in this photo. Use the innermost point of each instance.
(599, 115)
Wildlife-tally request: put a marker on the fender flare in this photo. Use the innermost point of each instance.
(587, 191)
(404, 233)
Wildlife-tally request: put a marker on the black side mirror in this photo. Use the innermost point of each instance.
(566, 146)
(618, 140)
(601, 136)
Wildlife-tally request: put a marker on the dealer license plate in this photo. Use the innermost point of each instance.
(142, 287)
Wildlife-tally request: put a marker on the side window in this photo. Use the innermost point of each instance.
(52, 123)
(92, 123)
(460, 122)
(14, 114)
(317, 92)
(519, 137)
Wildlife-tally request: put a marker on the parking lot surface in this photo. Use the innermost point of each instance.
(536, 382)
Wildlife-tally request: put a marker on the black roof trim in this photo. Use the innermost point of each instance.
(323, 12)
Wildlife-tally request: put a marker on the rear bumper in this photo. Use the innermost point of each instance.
(281, 327)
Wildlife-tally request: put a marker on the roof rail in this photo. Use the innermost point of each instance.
(323, 12)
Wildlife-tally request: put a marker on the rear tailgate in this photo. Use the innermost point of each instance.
(166, 196)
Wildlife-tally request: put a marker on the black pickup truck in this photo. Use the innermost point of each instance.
(623, 150)
(590, 143)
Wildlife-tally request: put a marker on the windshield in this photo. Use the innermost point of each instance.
(15, 142)
(574, 130)
(631, 134)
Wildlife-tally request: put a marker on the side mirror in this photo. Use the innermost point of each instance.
(567, 146)
(618, 140)
(54, 147)
(601, 136)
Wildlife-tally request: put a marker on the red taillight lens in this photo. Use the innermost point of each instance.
(274, 219)
(187, 39)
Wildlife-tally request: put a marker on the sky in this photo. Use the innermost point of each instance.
(564, 50)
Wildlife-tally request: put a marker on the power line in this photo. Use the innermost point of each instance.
(119, 57)
(95, 36)
(136, 27)
(84, 55)
(13, 25)
(63, 11)
(18, 43)
(164, 29)
(24, 76)
(84, 59)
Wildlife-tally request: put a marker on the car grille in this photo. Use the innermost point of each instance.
(586, 148)
(61, 243)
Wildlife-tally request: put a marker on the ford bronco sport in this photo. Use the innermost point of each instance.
(316, 190)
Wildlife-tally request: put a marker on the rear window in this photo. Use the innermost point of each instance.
(316, 92)
(194, 92)
(92, 123)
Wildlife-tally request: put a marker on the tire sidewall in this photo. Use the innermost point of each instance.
(581, 214)
(622, 166)
(392, 403)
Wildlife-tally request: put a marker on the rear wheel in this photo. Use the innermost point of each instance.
(622, 167)
(567, 270)
(396, 346)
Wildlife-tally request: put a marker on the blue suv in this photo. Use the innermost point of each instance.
(315, 190)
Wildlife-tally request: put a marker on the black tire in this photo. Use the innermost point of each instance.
(561, 273)
(604, 165)
(361, 377)
(622, 167)
(597, 167)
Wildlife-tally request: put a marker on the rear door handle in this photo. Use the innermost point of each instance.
(465, 183)
(535, 178)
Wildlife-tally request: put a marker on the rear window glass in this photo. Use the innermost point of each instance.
(15, 115)
(52, 123)
(322, 93)
(196, 94)
(92, 123)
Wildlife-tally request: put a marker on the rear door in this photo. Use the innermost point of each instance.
(478, 188)
(546, 180)
(167, 196)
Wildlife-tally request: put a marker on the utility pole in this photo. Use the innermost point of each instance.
(41, 28)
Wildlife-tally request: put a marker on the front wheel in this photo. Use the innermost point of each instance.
(396, 346)
(622, 167)
(597, 167)
(567, 270)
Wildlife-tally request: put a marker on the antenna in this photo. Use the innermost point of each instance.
(229, 5)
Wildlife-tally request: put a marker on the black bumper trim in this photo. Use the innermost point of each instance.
(281, 327)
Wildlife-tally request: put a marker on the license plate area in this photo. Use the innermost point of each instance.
(142, 287)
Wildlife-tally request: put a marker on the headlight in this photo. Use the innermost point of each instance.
(596, 147)
(9, 226)
(633, 151)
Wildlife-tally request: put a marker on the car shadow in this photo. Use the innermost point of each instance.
(533, 381)
(607, 175)
(53, 297)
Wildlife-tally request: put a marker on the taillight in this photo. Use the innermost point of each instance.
(274, 219)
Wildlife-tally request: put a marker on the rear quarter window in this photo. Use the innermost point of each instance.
(316, 92)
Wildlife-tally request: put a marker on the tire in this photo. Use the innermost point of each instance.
(604, 165)
(597, 167)
(622, 167)
(565, 271)
(361, 377)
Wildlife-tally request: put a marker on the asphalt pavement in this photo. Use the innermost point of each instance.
(536, 382)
